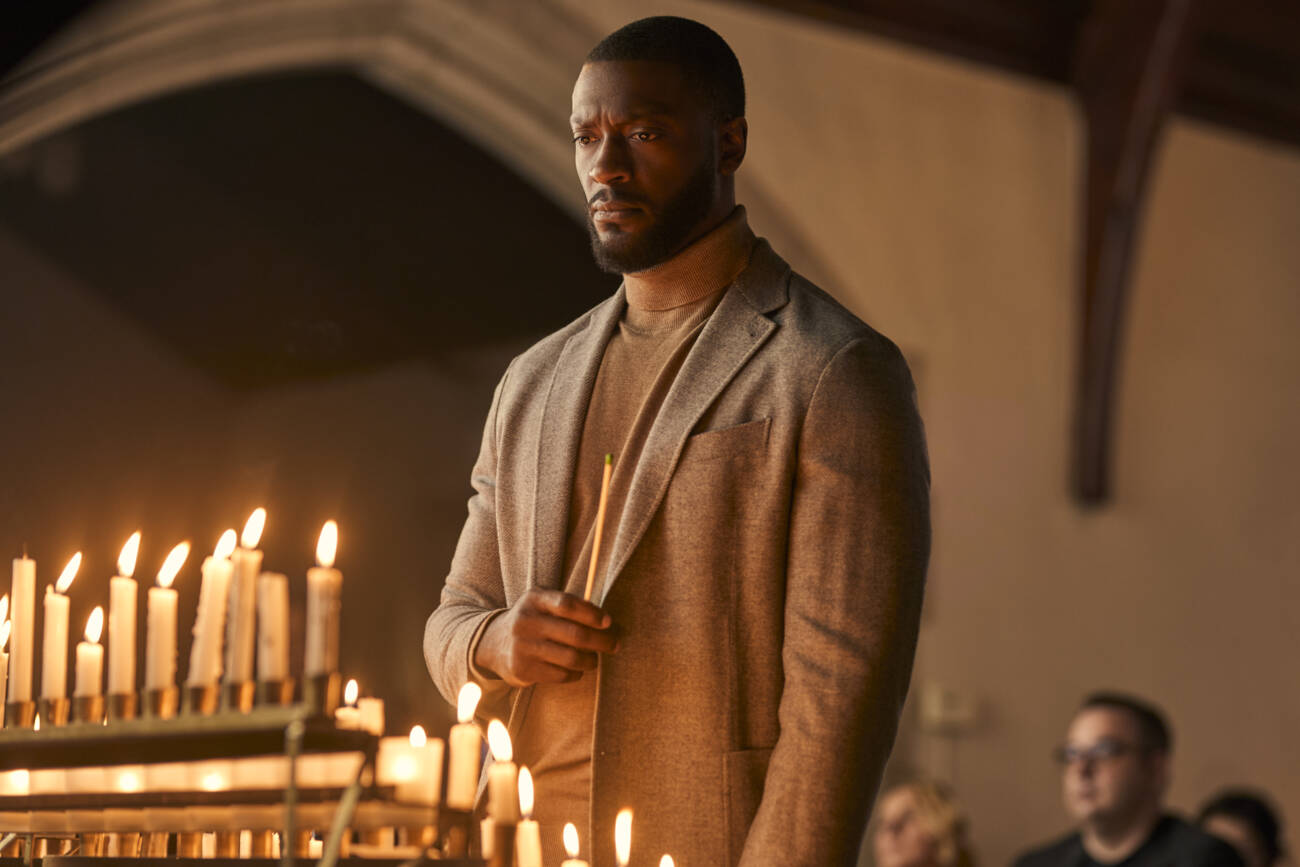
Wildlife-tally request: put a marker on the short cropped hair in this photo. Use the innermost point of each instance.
(1253, 809)
(1153, 728)
(705, 56)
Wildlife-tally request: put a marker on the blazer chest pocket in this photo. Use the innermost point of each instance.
(742, 439)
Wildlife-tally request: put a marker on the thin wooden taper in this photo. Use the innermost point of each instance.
(600, 526)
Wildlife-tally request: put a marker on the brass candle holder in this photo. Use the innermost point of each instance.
(320, 692)
(503, 845)
(88, 709)
(20, 714)
(201, 699)
(122, 706)
(274, 693)
(161, 703)
(54, 711)
(238, 696)
(189, 844)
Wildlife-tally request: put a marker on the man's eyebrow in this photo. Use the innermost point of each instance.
(644, 111)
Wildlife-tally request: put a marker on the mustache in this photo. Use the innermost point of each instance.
(626, 198)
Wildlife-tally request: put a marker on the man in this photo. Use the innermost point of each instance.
(1115, 770)
(738, 676)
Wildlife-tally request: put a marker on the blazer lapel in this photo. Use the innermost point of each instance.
(731, 336)
(560, 436)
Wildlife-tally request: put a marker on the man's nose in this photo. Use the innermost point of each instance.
(611, 163)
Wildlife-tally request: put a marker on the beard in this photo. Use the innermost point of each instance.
(623, 253)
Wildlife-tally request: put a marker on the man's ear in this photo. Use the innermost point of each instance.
(733, 137)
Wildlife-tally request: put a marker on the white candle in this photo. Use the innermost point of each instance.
(503, 776)
(372, 715)
(205, 651)
(246, 563)
(465, 745)
(487, 838)
(348, 717)
(5, 626)
(324, 586)
(54, 655)
(272, 627)
(623, 836)
(90, 656)
(667, 861)
(413, 766)
(528, 836)
(160, 635)
(24, 629)
(571, 847)
(121, 620)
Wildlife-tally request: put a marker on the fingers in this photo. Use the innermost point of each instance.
(569, 607)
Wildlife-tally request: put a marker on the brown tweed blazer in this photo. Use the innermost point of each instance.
(767, 573)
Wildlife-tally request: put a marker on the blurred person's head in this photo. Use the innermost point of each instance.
(1248, 823)
(920, 825)
(1115, 762)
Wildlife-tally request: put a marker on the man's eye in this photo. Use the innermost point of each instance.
(583, 139)
(644, 136)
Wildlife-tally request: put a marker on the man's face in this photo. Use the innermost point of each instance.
(900, 839)
(1109, 776)
(646, 148)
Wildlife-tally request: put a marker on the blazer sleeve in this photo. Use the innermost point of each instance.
(474, 590)
(858, 548)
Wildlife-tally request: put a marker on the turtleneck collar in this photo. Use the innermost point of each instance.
(709, 264)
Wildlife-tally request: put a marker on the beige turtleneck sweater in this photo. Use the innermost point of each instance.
(667, 307)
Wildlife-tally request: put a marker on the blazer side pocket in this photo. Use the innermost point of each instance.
(740, 439)
(743, 774)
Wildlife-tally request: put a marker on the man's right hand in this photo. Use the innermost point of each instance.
(546, 637)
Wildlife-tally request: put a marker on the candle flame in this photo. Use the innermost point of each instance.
(225, 546)
(213, 781)
(570, 840)
(667, 861)
(351, 692)
(526, 793)
(327, 545)
(175, 560)
(130, 552)
(36, 723)
(4, 607)
(623, 836)
(129, 781)
(4, 633)
(69, 572)
(95, 625)
(499, 741)
(467, 701)
(253, 529)
(418, 737)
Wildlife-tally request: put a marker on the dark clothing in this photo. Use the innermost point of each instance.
(1173, 843)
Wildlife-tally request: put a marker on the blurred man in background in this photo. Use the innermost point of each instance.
(1248, 823)
(1115, 766)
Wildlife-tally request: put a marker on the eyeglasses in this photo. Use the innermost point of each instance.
(1102, 751)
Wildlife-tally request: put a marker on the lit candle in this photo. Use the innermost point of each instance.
(372, 716)
(205, 652)
(528, 836)
(160, 636)
(623, 836)
(24, 629)
(4, 653)
(90, 656)
(571, 847)
(54, 658)
(503, 776)
(324, 584)
(246, 563)
(465, 743)
(348, 717)
(272, 627)
(667, 861)
(121, 620)
(413, 766)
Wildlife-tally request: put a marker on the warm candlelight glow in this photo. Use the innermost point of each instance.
(36, 723)
(623, 836)
(4, 607)
(129, 781)
(95, 625)
(253, 529)
(526, 792)
(327, 545)
(570, 840)
(175, 560)
(69, 572)
(225, 546)
(351, 693)
(418, 737)
(467, 701)
(213, 781)
(499, 741)
(130, 552)
(5, 629)
(667, 861)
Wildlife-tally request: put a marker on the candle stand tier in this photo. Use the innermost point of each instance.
(284, 769)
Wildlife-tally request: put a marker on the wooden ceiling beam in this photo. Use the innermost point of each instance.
(1129, 62)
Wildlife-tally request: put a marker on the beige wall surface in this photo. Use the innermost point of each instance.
(943, 200)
